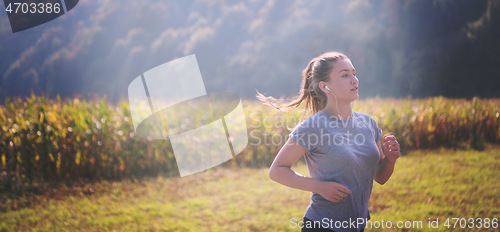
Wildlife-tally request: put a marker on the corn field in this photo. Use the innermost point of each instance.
(80, 140)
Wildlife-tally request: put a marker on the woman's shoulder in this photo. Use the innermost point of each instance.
(362, 115)
(318, 118)
(367, 119)
(312, 122)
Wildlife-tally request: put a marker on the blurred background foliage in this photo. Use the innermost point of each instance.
(85, 140)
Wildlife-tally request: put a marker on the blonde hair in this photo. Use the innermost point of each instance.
(317, 70)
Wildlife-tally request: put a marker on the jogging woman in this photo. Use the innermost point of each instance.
(342, 148)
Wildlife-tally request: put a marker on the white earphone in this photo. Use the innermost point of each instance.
(336, 102)
(328, 88)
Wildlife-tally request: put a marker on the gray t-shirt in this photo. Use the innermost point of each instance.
(343, 151)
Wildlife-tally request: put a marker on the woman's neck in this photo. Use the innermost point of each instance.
(342, 110)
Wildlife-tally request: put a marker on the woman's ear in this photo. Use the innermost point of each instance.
(322, 86)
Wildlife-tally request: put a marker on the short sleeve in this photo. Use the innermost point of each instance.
(378, 134)
(378, 131)
(306, 134)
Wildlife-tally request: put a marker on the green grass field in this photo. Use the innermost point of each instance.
(426, 184)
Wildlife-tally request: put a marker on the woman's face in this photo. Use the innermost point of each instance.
(343, 81)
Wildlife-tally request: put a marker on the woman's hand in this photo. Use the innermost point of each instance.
(333, 191)
(391, 148)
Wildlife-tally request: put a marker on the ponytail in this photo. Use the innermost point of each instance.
(318, 69)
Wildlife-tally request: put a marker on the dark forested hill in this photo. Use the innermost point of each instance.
(402, 48)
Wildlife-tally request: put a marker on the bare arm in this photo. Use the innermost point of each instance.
(281, 172)
(386, 166)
